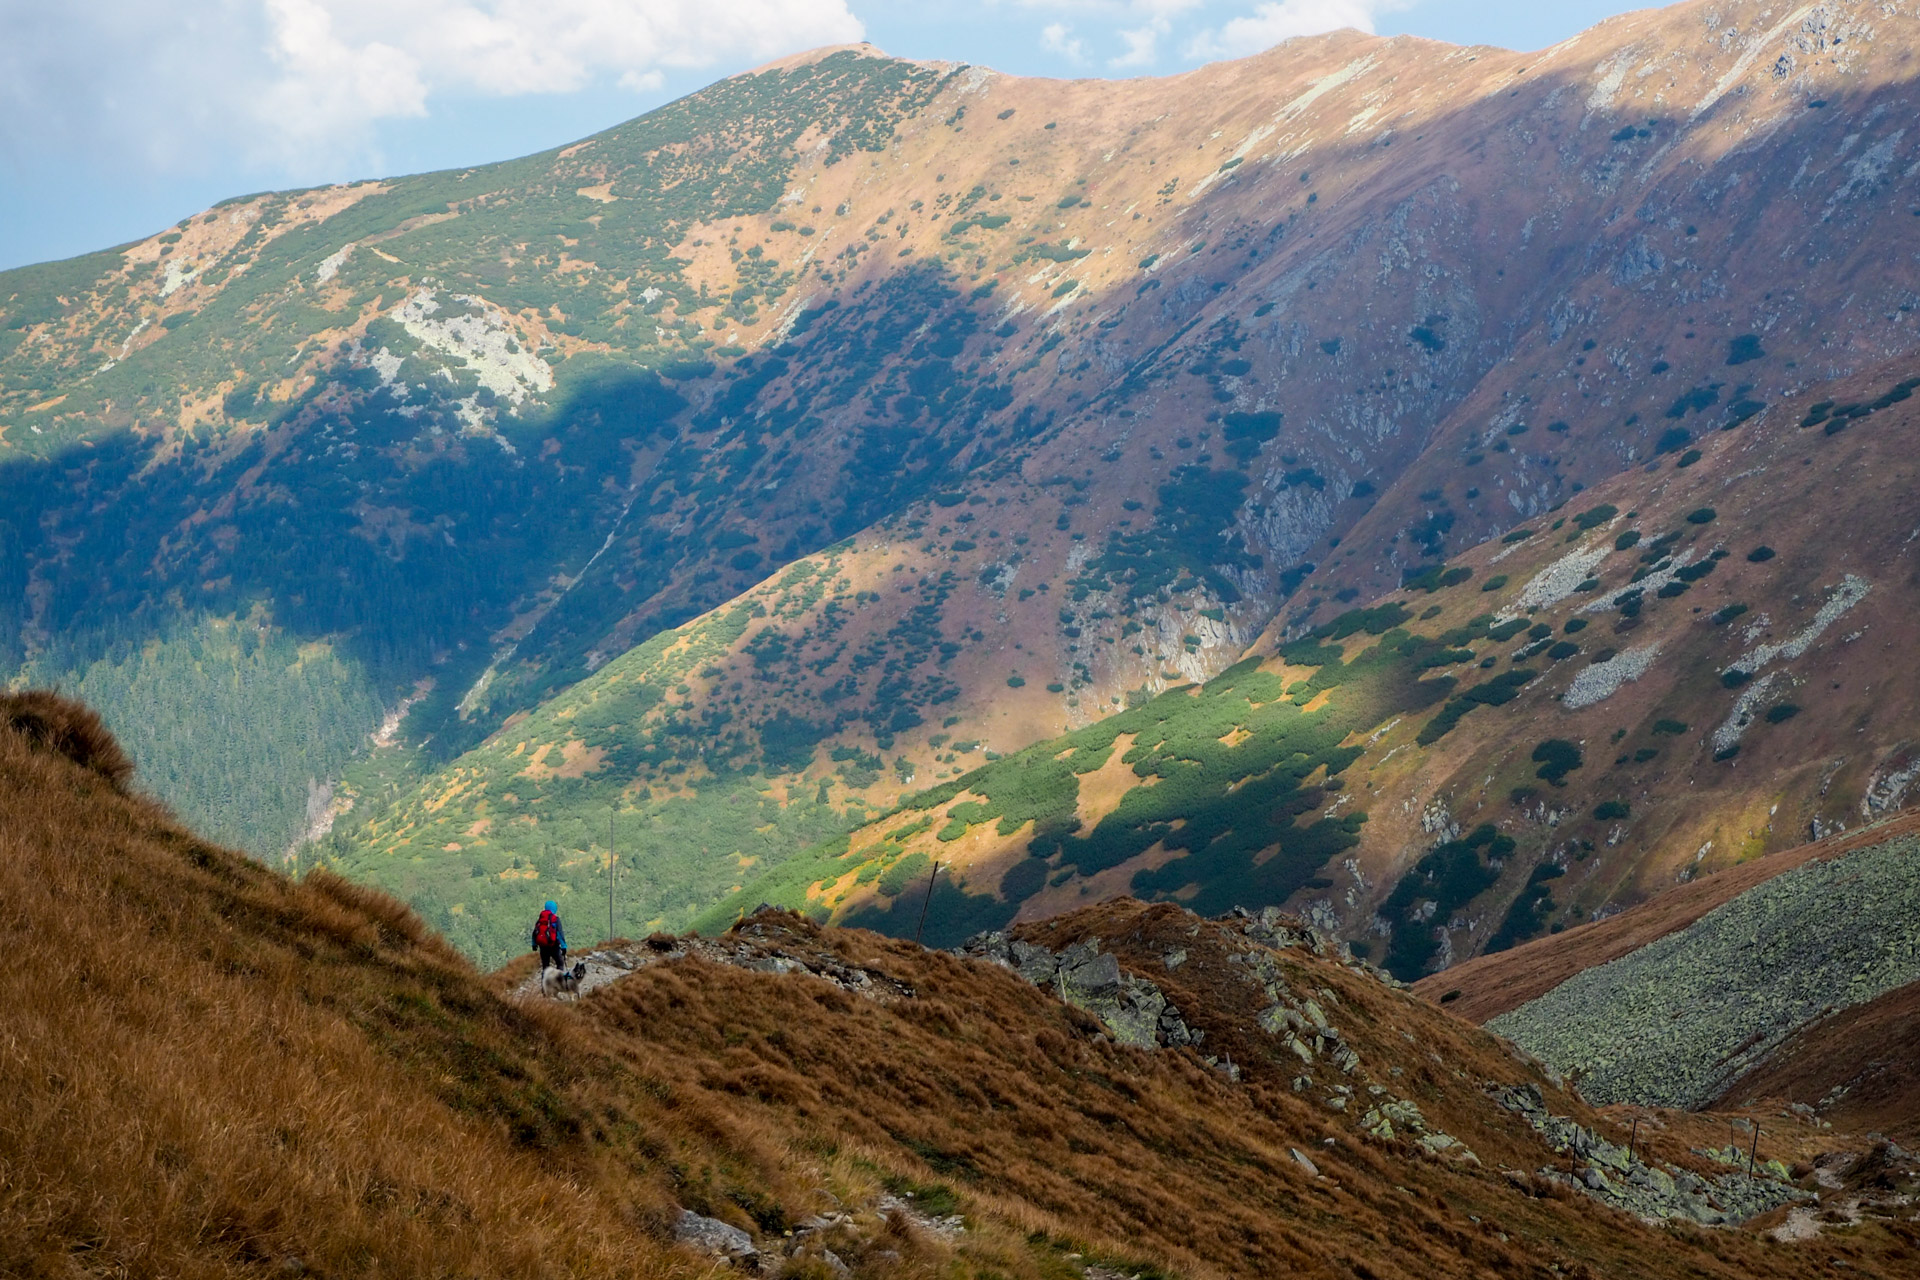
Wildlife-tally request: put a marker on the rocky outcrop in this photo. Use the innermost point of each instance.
(768, 941)
(1615, 1176)
(1133, 1010)
(710, 1235)
(1391, 1117)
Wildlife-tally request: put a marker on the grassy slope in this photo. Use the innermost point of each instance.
(286, 1072)
(1208, 326)
(1650, 790)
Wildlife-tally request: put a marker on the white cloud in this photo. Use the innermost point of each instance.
(1057, 37)
(1143, 45)
(289, 82)
(1278, 20)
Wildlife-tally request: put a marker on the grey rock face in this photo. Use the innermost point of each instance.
(1678, 1021)
(1133, 1010)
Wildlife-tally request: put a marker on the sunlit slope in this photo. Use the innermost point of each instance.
(480, 432)
(1671, 674)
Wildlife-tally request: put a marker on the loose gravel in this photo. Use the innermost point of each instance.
(1678, 1021)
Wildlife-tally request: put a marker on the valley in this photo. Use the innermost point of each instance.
(771, 490)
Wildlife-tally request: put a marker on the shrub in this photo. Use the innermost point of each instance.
(1494, 583)
(1609, 810)
(896, 878)
(1744, 348)
(1760, 555)
(1672, 438)
(1557, 758)
(1703, 515)
(1669, 727)
(1785, 711)
(1630, 538)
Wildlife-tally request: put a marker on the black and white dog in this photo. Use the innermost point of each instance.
(564, 981)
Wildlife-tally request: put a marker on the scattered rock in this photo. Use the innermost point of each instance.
(710, 1235)
(1649, 1191)
(770, 941)
(1133, 1010)
(1678, 1022)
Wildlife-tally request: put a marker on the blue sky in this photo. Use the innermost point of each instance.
(120, 117)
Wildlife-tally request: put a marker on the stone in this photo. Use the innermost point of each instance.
(710, 1235)
(1304, 1163)
(1094, 977)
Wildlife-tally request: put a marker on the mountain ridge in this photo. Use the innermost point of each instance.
(298, 1075)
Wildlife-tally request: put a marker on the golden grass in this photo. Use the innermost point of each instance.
(213, 1070)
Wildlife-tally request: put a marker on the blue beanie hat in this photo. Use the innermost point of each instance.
(553, 906)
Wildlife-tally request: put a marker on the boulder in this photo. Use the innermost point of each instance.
(710, 1235)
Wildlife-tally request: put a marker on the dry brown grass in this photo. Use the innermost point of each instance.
(213, 1070)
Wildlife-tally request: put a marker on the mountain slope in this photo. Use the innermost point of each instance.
(1671, 676)
(481, 432)
(1116, 562)
(1808, 950)
(297, 1076)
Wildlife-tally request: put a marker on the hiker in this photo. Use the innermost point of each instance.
(549, 938)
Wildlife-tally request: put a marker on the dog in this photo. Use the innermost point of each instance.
(566, 980)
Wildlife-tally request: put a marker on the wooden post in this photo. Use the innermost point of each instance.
(1753, 1150)
(1630, 1138)
(610, 864)
(925, 903)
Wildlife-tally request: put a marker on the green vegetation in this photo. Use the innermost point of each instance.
(1557, 758)
(526, 815)
(1595, 516)
(1453, 874)
(1528, 914)
(231, 723)
(1224, 772)
(1499, 690)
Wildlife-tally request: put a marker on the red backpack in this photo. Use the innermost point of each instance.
(546, 930)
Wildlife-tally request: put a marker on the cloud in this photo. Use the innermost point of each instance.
(289, 83)
(1057, 37)
(1278, 20)
(1143, 45)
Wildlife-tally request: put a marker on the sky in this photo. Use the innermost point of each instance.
(118, 118)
